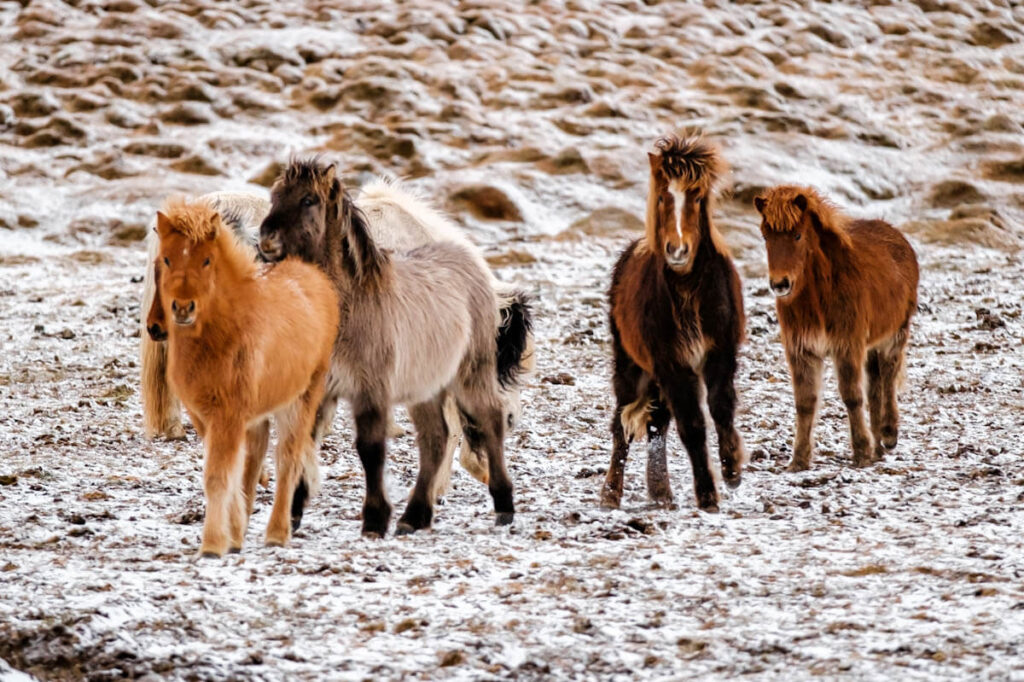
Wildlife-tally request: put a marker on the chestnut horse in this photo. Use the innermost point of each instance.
(416, 328)
(245, 342)
(845, 289)
(677, 322)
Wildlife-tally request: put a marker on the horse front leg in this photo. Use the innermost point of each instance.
(682, 387)
(256, 440)
(806, 372)
(371, 432)
(850, 368)
(222, 483)
(719, 376)
(431, 438)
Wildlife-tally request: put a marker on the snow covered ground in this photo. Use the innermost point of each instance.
(528, 123)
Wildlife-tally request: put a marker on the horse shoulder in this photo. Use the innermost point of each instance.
(630, 299)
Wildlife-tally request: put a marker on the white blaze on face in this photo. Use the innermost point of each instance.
(679, 201)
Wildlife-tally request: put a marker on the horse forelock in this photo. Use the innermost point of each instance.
(693, 161)
(198, 220)
(781, 214)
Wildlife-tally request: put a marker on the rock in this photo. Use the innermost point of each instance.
(187, 113)
(109, 166)
(990, 34)
(984, 228)
(511, 257)
(560, 379)
(603, 222)
(156, 147)
(57, 131)
(270, 173)
(86, 101)
(952, 192)
(1006, 171)
(196, 164)
(125, 116)
(33, 104)
(267, 57)
(1001, 123)
(568, 161)
(182, 90)
(488, 202)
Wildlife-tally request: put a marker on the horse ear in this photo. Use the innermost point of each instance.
(800, 201)
(759, 204)
(163, 224)
(330, 173)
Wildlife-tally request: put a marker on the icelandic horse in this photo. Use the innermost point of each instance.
(844, 289)
(676, 315)
(244, 342)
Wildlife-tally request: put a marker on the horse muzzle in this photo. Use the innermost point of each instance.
(270, 249)
(781, 287)
(678, 257)
(184, 313)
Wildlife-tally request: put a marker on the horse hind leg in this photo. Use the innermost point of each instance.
(876, 398)
(478, 399)
(891, 366)
(659, 485)
(850, 370)
(161, 409)
(431, 438)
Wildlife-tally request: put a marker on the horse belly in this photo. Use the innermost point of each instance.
(432, 362)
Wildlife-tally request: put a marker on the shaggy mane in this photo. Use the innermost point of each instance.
(198, 220)
(693, 160)
(782, 215)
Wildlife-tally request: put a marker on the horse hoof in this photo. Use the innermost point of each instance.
(504, 518)
(234, 550)
(663, 502)
(863, 462)
(733, 480)
(711, 508)
(797, 466)
(209, 554)
(373, 535)
(273, 543)
(404, 529)
(610, 501)
(296, 523)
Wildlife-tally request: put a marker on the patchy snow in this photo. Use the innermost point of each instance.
(910, 568)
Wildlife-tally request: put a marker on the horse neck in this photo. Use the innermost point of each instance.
(351, 257)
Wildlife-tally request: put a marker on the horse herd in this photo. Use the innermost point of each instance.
(257, 310)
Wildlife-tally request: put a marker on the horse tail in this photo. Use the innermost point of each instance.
(160, 410)
(515, 336)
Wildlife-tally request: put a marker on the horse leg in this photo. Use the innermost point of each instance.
(453, 427)
(160, 408)
(222, 476)
(295, 461)
(481, 407)
(431, 438)
(256, 440)
(325, 416)
(876, 390)
(626, 378)
(850, 366)
(891, 366)
(683, 388)
(719, 376)
(472, 456)
(371, 431)
(659, 486)
(805, 369)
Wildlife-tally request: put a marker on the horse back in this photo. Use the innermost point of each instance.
(888, 274)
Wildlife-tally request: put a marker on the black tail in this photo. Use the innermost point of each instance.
(513, 337)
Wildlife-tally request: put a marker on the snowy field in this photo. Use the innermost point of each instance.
(528, 123)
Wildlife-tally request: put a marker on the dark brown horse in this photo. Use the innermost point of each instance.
(677, 323)
(844, 289)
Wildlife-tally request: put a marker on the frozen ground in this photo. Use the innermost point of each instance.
(529, 125)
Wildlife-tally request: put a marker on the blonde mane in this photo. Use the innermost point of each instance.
(198, 221)
(781, 214)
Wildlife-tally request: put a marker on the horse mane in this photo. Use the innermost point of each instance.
(693, 159)
(778, 206)
(697, 163)
(361, 256)
(198, 221)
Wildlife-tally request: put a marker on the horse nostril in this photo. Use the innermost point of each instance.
(684, 249)
(174, 306)
(192, 307)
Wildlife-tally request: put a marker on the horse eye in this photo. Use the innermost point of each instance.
(206, 262)
(308, 201)
(167, 262)
(796, 237)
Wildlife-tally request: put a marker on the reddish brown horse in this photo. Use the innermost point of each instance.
(677, 322)
(844, 289)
